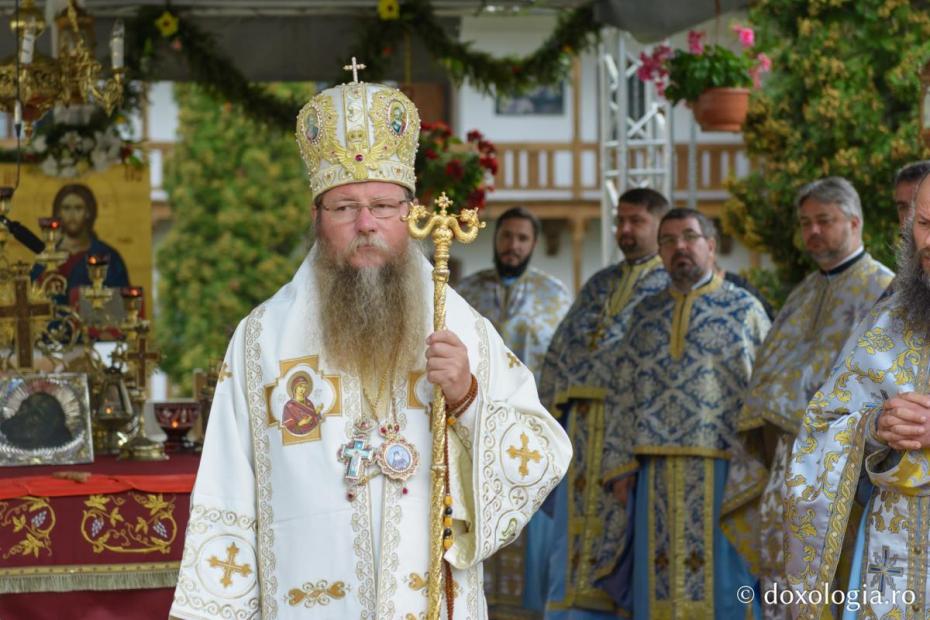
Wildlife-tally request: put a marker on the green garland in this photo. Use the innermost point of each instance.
(146, 42)
(209, 68)
(575, 32)
(155, 32)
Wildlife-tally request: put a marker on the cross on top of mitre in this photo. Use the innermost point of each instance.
(355, 67)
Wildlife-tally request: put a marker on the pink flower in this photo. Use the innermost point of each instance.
(696, 42)
(765, 63)
(747, 37)
(660, 88)
(653, 66)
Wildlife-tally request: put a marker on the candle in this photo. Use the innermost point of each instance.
(131, 292)
(117, 38)
(29, 43)
(49, 223)
(98, 259)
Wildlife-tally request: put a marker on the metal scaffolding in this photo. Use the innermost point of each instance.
(635, 132)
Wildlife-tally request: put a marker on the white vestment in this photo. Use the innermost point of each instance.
(272, 533)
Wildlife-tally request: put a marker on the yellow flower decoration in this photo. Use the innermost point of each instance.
(388, 9)
(167, 24)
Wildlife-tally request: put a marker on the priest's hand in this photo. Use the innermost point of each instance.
(903, 422)
(447, 365)
(623, 487)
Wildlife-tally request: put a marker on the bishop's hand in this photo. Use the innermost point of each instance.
(904, 422)
(447, 365)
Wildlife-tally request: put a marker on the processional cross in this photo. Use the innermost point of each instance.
(443, 228)
(229, 565)
(23, 313)
(140, 357)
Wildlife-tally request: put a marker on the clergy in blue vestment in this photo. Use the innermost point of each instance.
(671, 426)
(796, 358)
(591, 564)
(864, 441)
(525, 305)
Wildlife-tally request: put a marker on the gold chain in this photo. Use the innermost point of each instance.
(374, 405)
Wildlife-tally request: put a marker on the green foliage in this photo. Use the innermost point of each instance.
(240, 201)
(843, 100)
(576, 31)
(444, 163)
(692, 74)
(376, 43)
(146, 46)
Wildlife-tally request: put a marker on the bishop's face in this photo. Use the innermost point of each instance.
(364, 240)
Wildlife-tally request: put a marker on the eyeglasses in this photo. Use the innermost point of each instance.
(689, 237)
(822, 222)
(348, 212)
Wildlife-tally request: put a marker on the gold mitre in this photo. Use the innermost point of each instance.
(358, 132)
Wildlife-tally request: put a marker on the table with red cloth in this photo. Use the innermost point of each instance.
(97, 541)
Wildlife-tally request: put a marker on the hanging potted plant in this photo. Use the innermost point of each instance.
(712, 79)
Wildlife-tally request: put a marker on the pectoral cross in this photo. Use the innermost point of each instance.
(524, 454)
(140, 358)
(354, 68)
(884, 569)
(229, 565)
(356, 455)
(24, 312)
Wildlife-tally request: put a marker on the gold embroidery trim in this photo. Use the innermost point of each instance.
(622, 470)
(681, 318)
(229, 565)
(417, 582)
(524, 454)
(713, 453)
(321, 593)
(35, 518)
(104, 527)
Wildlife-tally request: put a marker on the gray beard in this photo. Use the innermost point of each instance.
(912, 285)
(372, 318)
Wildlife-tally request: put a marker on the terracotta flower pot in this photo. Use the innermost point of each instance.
(722, 109)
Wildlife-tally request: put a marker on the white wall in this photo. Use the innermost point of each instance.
(516, 35)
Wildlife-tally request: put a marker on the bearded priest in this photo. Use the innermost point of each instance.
(329, 519)
(864, 442)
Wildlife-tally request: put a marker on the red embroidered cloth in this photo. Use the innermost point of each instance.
(104, 545)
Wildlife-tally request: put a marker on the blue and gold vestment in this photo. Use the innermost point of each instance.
(796, 358)
(838, 462)
(526, 313)
(681, 376)
(576, 377)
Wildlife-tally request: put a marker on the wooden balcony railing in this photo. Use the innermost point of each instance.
(541, 167)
